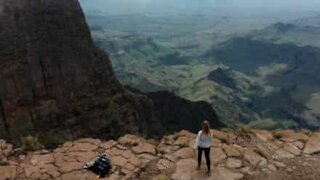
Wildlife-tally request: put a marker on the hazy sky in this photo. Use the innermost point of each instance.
(198, 6)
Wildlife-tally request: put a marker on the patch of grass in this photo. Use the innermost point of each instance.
(31, 143)
(51, 140)
(3, 163)
(153, 142)
(246, 129)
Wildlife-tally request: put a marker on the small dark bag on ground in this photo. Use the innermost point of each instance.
(101, 166)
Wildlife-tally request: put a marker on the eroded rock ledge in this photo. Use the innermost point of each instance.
(235, 155)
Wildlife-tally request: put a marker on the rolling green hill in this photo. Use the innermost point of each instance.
(265, 79)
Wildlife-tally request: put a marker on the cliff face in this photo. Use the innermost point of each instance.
(177, 113)
(56, 84)
(53, 78)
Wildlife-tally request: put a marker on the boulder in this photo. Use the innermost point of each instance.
(170, 157)
(165, 164)
(130, 140)
(312, 146)
(272, 167)
(282, 154)
(146, 156)
(253, 158)
(128, 154)
(167, 149)
(115, 151)
(109, 144)
(118, 161)
(291, 148)
(233, 163)
(247, 170)
(129, 167)
(231, 151)
(217, 155)
(290, 136)
(264, 150)
(96, 142)
(186, 134)
(273, 146)
(64, 148)
(299, 144)
(224, 136)
(134, 161)
(279, 164)
(191, 143)
(144, 148)
(216, 143)
(263, 135)
(83, 147)
(182, 141)
(184, 153)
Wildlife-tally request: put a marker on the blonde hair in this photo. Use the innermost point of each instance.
(205, 127)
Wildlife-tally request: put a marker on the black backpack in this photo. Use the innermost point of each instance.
(101, 166)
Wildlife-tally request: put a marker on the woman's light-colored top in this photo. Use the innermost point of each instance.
(203, 140)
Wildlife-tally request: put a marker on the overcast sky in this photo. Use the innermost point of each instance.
(198, 6)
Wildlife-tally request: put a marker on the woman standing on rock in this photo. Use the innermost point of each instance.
(203, 143)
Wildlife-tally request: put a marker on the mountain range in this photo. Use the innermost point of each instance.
(265, 78)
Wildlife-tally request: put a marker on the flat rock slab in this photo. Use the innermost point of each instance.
(7, 172)
(184, 153)
(79, 175)
(217, 155)
(231, 151)
(144, 148)
(233, 163)
(312, 146)
(253, 158)
(186, 170)
(132, 156)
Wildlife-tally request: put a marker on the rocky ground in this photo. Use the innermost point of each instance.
(246, 154)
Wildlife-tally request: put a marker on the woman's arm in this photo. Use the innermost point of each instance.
(196, 144)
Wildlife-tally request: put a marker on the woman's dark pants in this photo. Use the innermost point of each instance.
(206, 154)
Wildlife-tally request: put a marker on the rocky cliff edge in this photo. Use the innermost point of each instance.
(245, 154)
